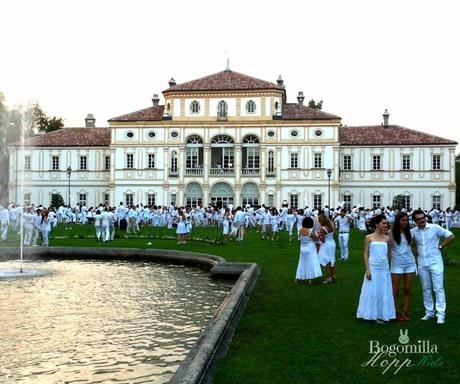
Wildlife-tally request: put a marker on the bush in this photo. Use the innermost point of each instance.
(57, 200)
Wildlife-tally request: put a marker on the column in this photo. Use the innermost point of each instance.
(181, 164)
(278, 164)
(238, 163)
(263, 163)
(207, 163)
(166, 165)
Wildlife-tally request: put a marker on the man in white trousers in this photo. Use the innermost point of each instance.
(342, 222)
(428, 242)
(4, 222)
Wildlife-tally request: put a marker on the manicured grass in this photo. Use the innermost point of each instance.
(309, 334)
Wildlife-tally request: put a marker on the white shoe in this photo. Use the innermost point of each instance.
(428, 316)
(441, 320)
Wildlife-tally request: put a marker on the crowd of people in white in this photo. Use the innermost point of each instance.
(39, 221)
(388, 254)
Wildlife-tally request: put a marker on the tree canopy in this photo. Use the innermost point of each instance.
(44, 123)
(316, 105)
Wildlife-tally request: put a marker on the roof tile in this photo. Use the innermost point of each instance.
(148, 114)
(390, 135)
(224, 81)
(295, 111)
(71, 137)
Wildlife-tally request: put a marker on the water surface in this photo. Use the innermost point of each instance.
(99, 322)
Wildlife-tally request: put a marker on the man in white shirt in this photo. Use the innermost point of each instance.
(239, 220)
(342, 221)
(4, 222)
(427, 238)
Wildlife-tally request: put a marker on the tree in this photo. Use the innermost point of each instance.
(316, 105)
(57, 200)
(398, 202)
(457, 181)
(11, 123)
(45, 123)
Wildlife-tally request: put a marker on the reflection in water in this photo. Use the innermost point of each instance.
(95, 322)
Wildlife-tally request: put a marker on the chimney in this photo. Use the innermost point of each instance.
(386, 116)
(172, 82)
(90, 121)
(280, 81)
(300, 98)
(155, 100)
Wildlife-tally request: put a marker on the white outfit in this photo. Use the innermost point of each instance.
(326, 252)
(181, 227)
(4, 221)
(308, 267)
(343, 224)
(431, 266)
(362, 222)
(402, 258)
(376, 299)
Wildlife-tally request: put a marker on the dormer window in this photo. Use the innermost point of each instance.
(251, 106)
(222, 110)
(194, 107)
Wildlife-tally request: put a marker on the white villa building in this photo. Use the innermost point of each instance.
(231, 138)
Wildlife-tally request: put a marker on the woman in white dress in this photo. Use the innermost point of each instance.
(181, 230)
(226, 221)
(326, 254)
(308, 267)
(376, 299)
(362, 220)
(274, 223)
(290, 221)
(402, 262)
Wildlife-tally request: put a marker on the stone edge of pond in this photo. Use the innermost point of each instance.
(213, 342)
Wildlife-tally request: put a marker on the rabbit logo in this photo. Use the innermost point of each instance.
(404, 336)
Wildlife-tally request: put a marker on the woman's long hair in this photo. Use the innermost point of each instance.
(396, 229)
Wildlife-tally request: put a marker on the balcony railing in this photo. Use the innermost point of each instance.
(250, 172)
(222, 172)
(194, 172)
(271, 172)
(173, 172)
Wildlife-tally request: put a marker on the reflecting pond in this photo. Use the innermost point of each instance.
(95, 322)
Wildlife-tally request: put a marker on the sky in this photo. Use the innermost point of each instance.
(108, 57)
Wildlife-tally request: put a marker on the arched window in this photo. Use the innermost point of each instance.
(317, 200)
(250, 106)
(194, 139)
(222, 109)
(194, 154)
(194, 107)
(271, 162)
(222, 139)
(194, 195)
(250, 139)
(250, 152)
(250, 194)
(174, 162)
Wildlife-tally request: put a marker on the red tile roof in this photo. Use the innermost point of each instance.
(71, 137)
(390, 135)
(224, 81)
(295, 111)
(147, 114)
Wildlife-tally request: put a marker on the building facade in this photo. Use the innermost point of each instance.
(229, 138)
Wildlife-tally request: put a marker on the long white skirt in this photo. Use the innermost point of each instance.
(308, 267)
(376, 299)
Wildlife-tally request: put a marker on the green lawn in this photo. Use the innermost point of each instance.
(309, 334)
